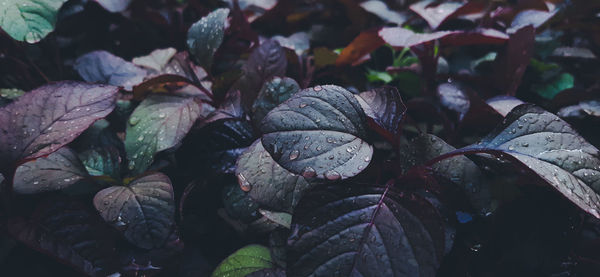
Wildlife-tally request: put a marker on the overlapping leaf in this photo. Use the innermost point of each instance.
(29, 20)
(43, 120)
(273, 93)
(318, 132)
(57, 171)
(267, 182)
(553, 150)
(157, 124)
(106, 68)
(385, 108)
(244, 261)
(206, 35)
(143, 210)
(361, 231)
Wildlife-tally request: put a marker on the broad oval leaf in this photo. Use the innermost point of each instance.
(29, 20)
(157, 60)
(267, 183)
(106, 68)
(552, 149)
(206, 35)
(273, 93)
(57, 171)
(385, 108)
(157, 124)
(104, 161)
(143, 210)
(318, 133)
(43, 120)
(503, 104)
(364, 231)
(244, 261)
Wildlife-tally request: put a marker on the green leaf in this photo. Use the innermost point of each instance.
(558, 84)
(29, 20)
(11, 93)
(157, 124)
(379, 76)
(549, 147)
(244, 261)
(143, 210)
(206, 35)
(57, 171)
(273, 93)
(267, 183)
(318, 132)
(102, 162)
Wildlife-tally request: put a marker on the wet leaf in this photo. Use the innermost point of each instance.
(206, 35)
(384, 107)
(11, 93)
(142, 210)
(159, 123)
(273, 93)
(400, 38)
(591, 108)
(318, 132)
(102, 162)
(266, 182)
(43, 120)
(553, 150)
(244, 261)
(364, 231)
(106, 68)
(29, 20)
(238, 204)
(57, 171)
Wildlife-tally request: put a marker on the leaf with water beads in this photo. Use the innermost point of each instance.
(157, 124)
(549, 147)
(143, 210)
(43, 120)
(318, 132)
(106, 68)
(206, 35)
(57, 171)
(244, 261)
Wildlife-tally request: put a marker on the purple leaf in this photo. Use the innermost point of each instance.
(143, 210)
(357, 230)
(399, 37)
(503, 104)
(510, 64)
(43, 120)
(380, 9)
(454, 98)
(57, 171)
(384, 107)
(535, 18)
(106, 68)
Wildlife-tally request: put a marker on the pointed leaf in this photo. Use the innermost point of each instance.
(57, 171)
(273, 93)
(43, 120)
(299, 42)
(365, 43)
(503, 104)
(106, 68)
(318, 132)
(143, 210)
(385, 108)
(157, 124)
(435, 14)
(244, 261)
(29, 20)
(364, 231)
(266, 61)
(380, 9)
(267, 183)
(206, 35)
(552, 149)
(114, 6)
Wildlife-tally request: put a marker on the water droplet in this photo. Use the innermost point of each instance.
(512, 147)
(525, 144)
(308, 172)
(140, 138)
(350, 149)
(244, 184)
(302, 105)
(162, 115)
(317, 88)
(332, 175)
(36, 182)
(368, 159)
(319, 148)
(134, 120)
(294, 155)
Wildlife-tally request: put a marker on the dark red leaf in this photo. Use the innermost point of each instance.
(510, 64)
(365, 43)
